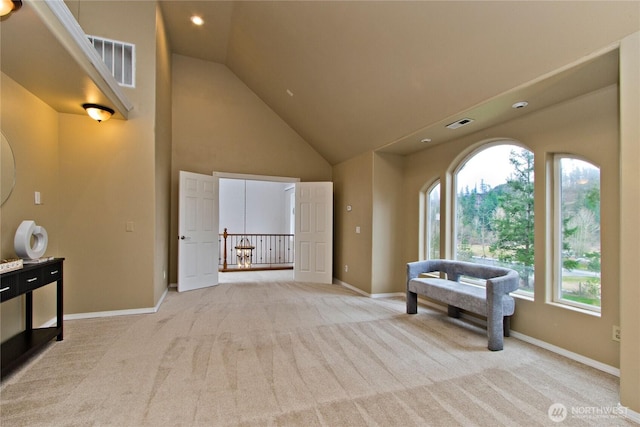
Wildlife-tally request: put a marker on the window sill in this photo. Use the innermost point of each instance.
(575, 309)
(527, 296)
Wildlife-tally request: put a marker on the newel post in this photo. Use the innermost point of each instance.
(224, 260)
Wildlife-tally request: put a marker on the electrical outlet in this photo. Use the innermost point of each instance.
(616, 333)
(346, 268)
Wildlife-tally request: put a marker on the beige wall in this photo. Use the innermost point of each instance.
(353, 184)
(108, 179)
(388, 243)
(31, 127)
(220, 125)
(586, 126)
(629, 214)
(94, 178)
(162, 158)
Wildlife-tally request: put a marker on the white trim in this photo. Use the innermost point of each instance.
(350, 287)
(631, 415)
(96, 314)
(363, 293)
(49, 323)
(568, 354)
(58, 18)
(388, 295)
(228, 175)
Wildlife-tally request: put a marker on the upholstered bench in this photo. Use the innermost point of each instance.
(492, 300)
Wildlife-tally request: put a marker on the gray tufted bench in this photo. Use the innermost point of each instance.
(492, 301)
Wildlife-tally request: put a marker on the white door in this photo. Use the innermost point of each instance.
(198, 231)
(314, 232)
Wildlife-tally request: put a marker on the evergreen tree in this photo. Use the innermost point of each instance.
(513, 223)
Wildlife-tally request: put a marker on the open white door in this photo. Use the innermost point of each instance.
(198, 231)
(314, 232)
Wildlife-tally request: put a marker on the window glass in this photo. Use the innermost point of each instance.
(433, 222)
(494, 210)
(579, 238)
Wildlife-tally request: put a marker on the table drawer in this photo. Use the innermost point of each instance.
(8, 287)
(52, 273)
(30, 280)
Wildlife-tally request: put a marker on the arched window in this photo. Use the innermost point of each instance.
(494, 216)
(577, 233)
(432, 239)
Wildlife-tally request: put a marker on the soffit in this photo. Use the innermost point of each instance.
(374, 75)
(33, 56)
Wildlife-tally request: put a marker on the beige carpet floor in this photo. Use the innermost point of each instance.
(277, 352)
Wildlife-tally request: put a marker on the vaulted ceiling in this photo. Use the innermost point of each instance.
(356, 76)
(351, 77)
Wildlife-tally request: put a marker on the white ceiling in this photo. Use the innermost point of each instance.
(371, 75)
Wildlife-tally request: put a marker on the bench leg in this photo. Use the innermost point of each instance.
(495, 332)
(506, 325)
(412, 302)
(453, 311)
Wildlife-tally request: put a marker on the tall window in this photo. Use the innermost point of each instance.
(577, 228)
(433, 222)
(494, 210)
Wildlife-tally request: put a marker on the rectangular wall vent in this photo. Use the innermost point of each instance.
(120, 59)
(459, 123)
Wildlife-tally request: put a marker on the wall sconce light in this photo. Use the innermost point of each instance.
(97, 112)
(244, 251)
(8, 6)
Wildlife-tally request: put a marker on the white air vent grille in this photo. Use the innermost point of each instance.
(120, 58)
(459, 123)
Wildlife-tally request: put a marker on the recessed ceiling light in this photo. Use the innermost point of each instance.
(425, 140)
(197, 20)
(520, 104)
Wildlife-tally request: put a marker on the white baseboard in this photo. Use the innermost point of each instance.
(112, 313)
(632, 415)
(568, 354)
(366, 294)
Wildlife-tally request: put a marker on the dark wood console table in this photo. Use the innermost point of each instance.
(23, 282)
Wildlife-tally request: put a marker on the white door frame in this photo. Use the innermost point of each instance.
(228, 175)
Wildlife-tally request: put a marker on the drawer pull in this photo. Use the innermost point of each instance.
(33, 279)
(54, 272)
(5, 289)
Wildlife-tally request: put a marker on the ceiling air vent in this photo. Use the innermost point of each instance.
(459, 123)
(119, 57)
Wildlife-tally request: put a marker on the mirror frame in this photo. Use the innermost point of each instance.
(8, 170)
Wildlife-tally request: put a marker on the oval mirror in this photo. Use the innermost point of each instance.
(7, 170)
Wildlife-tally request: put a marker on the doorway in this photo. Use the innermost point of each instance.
(261, 210)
